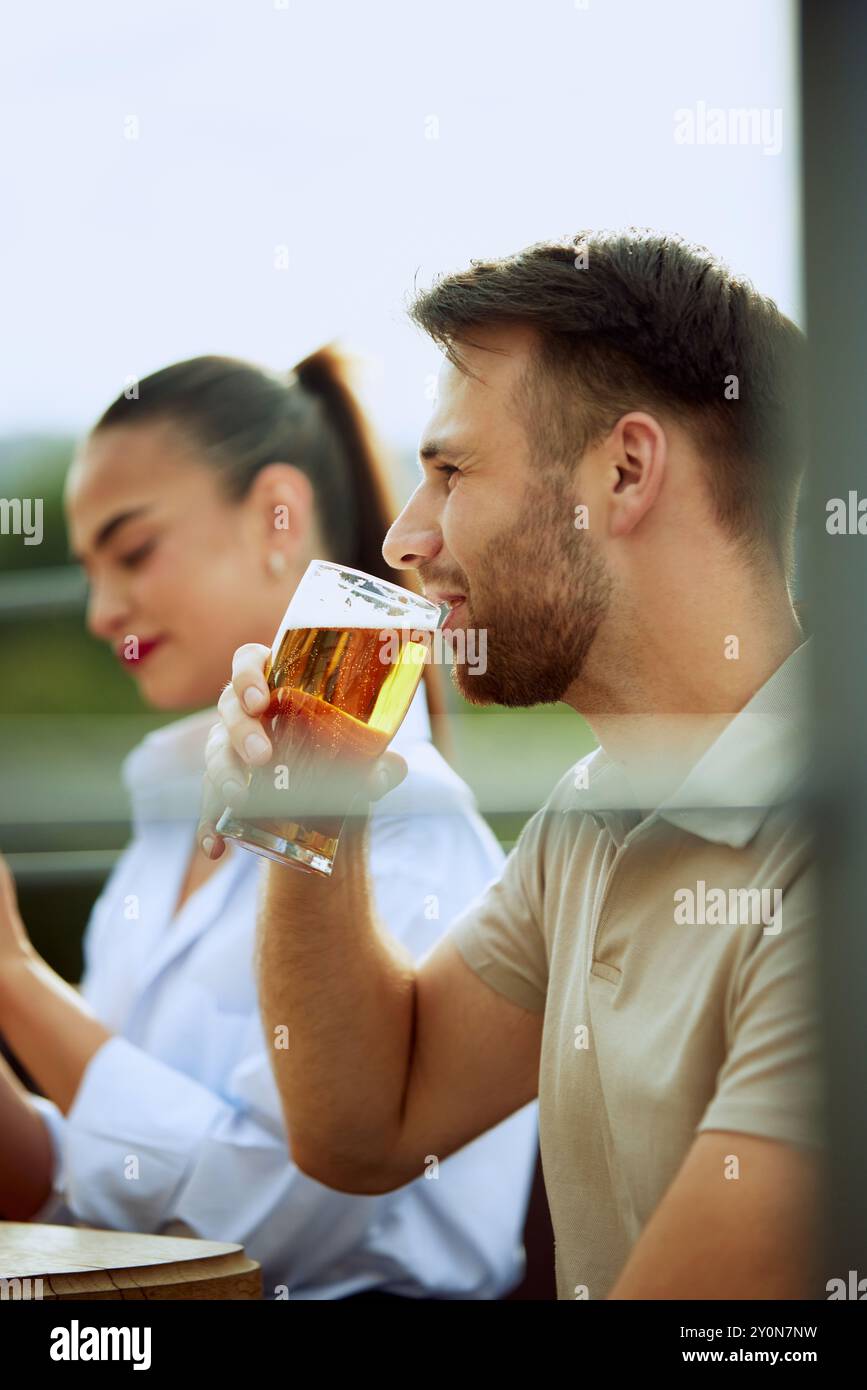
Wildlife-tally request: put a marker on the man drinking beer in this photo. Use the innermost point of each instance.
(608, 489)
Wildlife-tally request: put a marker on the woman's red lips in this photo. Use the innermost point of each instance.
(132, 651)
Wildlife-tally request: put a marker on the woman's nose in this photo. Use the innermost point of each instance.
(107, 612)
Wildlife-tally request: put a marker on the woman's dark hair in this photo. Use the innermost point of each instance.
(244, 417)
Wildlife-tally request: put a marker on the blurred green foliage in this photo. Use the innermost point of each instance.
(51, 666)
(32, 466)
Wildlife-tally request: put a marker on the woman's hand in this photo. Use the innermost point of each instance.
(15, 944)
(240, 741)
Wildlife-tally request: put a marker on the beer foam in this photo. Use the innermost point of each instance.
(341, 601)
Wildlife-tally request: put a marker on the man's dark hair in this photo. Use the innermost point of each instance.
(637, 320)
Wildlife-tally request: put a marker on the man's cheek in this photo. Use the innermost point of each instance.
(463, 538)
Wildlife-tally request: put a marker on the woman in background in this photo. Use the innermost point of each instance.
(159, 1112)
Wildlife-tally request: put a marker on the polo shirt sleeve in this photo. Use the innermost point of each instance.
(500, 935)
(770, 1083)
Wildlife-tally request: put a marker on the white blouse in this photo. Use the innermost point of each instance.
(176, 1125)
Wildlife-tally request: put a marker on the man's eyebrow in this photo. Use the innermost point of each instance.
(437, 449)
(108, 529)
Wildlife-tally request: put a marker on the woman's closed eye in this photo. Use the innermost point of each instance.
(136, 556)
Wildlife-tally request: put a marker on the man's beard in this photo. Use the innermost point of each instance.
(541, 594)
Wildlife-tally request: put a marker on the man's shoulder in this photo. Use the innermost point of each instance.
(554, 830)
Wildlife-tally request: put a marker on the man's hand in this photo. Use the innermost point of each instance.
(241, 741)
(719, 1236)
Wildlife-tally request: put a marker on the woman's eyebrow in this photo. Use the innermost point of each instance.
(107, 530)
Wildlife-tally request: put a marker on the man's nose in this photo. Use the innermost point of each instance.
(414, 538)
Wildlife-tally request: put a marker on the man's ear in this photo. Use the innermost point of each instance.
(283, 504)
(637, 448)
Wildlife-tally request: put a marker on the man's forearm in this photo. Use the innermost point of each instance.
(337, 997)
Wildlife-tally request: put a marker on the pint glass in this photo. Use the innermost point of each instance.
(344, 666)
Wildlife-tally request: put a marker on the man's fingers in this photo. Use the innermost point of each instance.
(249, 677)
(228, 779)
(247, 735)
(387, 773)
(212, 844)
(222, 764)
(240, 742)
(213, 806)
(224, 784)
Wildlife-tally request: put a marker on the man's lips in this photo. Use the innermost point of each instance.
(452, 616)
(130, 655)
(442, 596)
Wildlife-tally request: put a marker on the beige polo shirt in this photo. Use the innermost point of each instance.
(672, 957)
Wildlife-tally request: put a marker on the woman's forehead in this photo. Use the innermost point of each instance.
(123, 468)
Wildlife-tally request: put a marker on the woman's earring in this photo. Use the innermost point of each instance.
(277, 562)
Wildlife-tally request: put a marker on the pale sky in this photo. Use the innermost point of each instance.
(305, 126)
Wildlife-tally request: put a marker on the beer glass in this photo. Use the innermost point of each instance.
(344, 667)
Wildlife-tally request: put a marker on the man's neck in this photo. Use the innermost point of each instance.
(657, 702)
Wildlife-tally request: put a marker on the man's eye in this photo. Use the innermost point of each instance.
(134, 557)
(447, 468)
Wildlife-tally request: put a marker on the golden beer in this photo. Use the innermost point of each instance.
(339, 691)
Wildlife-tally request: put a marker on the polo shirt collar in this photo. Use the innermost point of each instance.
(757, 761)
